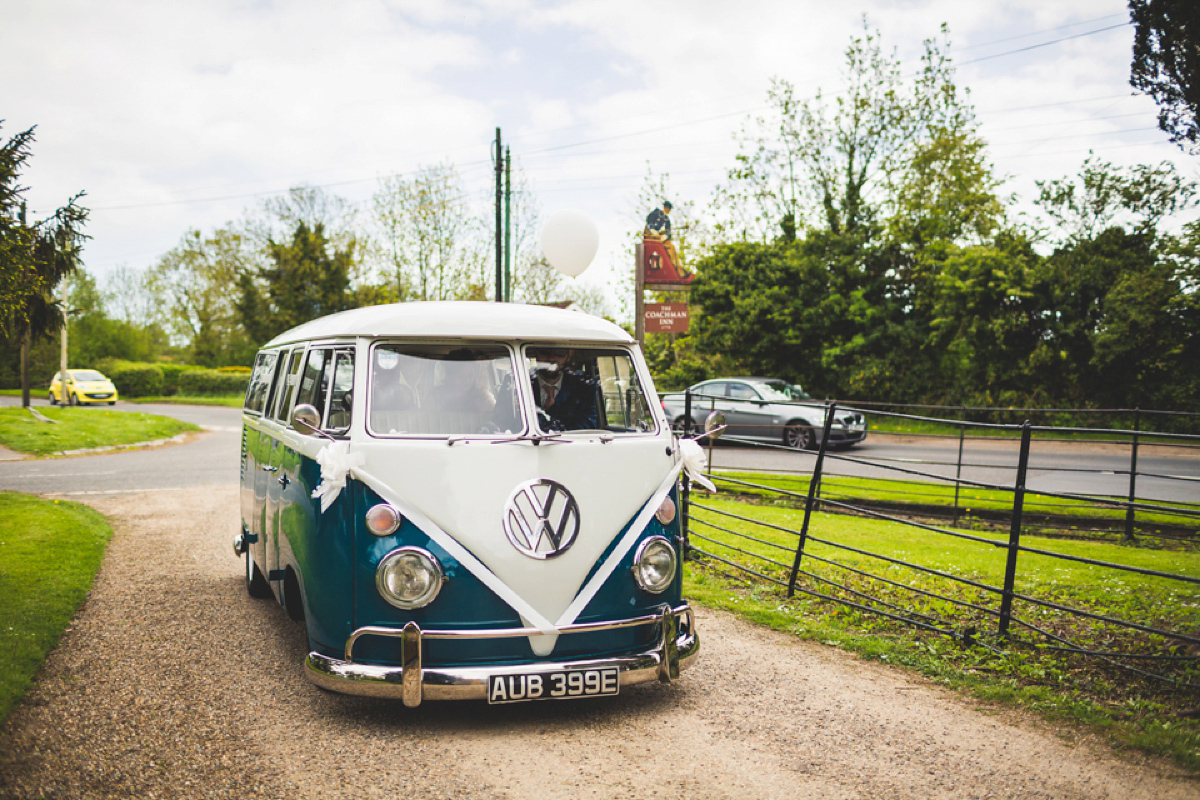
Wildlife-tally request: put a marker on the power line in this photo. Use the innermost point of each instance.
(1043, 44)
(1039, 33)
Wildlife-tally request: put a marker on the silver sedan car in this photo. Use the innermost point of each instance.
(768, 410)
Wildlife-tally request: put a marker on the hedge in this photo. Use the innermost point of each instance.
(197, 382)
(137, 380)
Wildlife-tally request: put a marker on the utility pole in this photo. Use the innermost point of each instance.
(62, 357)
(25, 335)
(498, 159)
(507, 225)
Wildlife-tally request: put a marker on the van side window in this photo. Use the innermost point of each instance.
(340, 400)
(288, 380)
(260, 382)
(310, 380)
(326, 384)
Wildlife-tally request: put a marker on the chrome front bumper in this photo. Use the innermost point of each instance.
(412, 682)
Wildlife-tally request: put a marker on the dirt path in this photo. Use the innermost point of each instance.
(173, 683)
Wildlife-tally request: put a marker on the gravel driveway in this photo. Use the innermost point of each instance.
(172, 682)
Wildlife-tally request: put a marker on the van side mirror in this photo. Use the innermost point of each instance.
(306, 419)
(714, 424)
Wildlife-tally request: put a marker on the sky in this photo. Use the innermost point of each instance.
(176, 115)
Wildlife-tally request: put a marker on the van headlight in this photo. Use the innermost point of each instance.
(654, 565)
(409, 578)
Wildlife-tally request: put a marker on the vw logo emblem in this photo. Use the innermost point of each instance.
(541, 519)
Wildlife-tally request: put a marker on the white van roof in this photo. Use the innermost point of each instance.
(454, 319)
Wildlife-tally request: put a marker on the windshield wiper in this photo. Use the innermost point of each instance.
(551, 437)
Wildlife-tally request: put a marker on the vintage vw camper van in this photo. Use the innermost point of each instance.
(466, 500)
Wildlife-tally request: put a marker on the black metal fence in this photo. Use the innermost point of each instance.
(1148, 624)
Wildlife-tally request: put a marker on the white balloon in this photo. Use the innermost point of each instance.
(570, 241)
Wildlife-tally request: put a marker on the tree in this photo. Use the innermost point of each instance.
(423, 235)
(94, 335)
(197, 282)
(1166, 64)
(844, 157)
(1104, 195)
(307, 277)
(34, 257)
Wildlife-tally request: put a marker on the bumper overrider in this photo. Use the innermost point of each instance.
(677, 646)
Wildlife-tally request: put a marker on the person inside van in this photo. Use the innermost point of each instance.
(565, 397)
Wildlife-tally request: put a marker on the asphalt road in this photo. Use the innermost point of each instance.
(1165, 473)
(208, 459)
(211, 458)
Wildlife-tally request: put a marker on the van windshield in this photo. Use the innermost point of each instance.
(442, 390)
(585, 388)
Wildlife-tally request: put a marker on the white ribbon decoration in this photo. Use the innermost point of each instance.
(336, 461)
(695, 463)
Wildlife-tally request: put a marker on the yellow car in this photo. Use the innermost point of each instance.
(84, 386)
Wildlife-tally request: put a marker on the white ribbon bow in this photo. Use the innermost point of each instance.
(336, 461)
(695, 463)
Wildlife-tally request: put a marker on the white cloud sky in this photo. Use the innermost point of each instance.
(175, 115)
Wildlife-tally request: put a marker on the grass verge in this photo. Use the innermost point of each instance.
(50, 551)
(1083, 694)
(80, 428)
(932, 496)
(185, 400)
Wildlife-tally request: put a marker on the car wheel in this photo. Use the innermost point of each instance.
(50, 397)
(799, 436)
(74, 399)
(256, 584)
(112, 402)
(679, 425)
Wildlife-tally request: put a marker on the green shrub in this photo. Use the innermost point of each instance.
(171, 376)
(198, 382)
(136, 380)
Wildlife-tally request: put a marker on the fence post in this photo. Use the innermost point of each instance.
(1129, 512)
(1014, 533)
(962, 432)
(808, 504)
(685, 492)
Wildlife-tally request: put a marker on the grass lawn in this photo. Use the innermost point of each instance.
(1084, 693)
(235, 401)
(79, 428)
(929, 494)
(50, 551)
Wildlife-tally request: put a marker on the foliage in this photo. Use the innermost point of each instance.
(836, 164)
(424, 235)
(34, 256)
(306, 278)
(137, 380)
(50, 551)
(1104, 195)
(911, 285)
(1166, 64)
(196, 282)
(213, 382)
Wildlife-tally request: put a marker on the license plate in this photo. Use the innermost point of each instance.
(557, 685)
